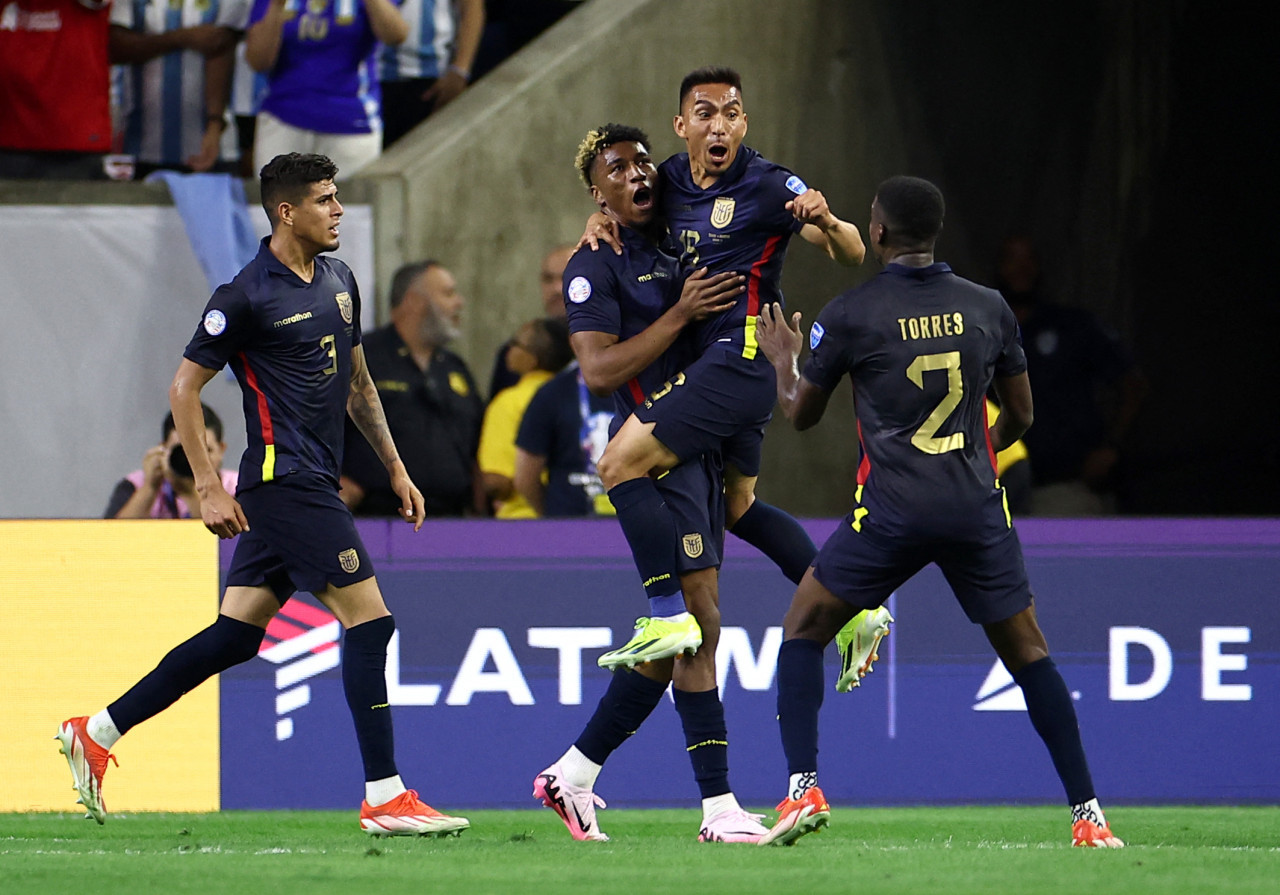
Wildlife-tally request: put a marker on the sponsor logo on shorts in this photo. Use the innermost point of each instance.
(692, 545)
(215, 322)
(796, 185)
(344, 305)
(722, 212)
(579, 290)
(816, 332)
(349, 559)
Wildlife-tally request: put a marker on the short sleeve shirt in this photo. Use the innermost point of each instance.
(289, 344)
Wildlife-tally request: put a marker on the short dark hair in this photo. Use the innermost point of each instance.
(550, 344)
(403, 278)
(598, 140)
(913, 209)
(211, 421)
(288, 178)
(708, 74)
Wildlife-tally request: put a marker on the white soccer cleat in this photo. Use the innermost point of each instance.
(407, 815)
(88, 763)
(576, 805)
(734, 825)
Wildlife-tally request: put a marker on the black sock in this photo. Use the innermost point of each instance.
(1053, 715)
(650, 530)
(799, 699)
(706, 739)
(225, 643)
(630, 699)
(364, 681)
(779, 536)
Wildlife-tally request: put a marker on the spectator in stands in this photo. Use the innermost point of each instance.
(1088, 391)
(563, 433)
(322, 87)
(550, 276)
(432, 66)
(177, 58)
(164, 487)
(539, 350)
(54, 89)
(429, 397)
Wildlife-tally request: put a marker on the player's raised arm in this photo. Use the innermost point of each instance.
(365, 408)
(220, 511)
(838, 238)
(801, 401)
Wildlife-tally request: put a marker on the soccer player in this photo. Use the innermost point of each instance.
(922, 346)
(732, 210)
(626, 313)
(289, 325)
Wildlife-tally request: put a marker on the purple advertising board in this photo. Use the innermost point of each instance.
(1165, 630)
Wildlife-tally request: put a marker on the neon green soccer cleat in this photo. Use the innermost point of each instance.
(858, 642)
(655, 638)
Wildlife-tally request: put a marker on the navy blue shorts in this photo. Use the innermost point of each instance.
(694, 492)
(864, 568)
(720, 403)
(301, 537)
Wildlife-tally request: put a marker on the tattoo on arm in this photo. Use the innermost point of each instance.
(365, 408)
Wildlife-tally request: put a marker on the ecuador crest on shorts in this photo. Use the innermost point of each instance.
(692, 545)
(722, 212)
(344, 305)
(349, 559)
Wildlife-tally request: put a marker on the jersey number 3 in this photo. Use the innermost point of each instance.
(926, 437)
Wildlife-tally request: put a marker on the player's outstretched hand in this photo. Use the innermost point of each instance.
(780, 342)
(222, 514)
(704, 295)
(810, 207)
(412, 507)
(601, 228)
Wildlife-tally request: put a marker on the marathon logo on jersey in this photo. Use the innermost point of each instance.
(692, 545)
(579, 290)
(816, 332)
(215, 322)
(344, 305)
(722, 213)
(302, 641)
(349, 559)
(296, 318)
(796, 185)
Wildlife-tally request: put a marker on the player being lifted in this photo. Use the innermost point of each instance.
(922, 346)
(289, 326)
(732, 210)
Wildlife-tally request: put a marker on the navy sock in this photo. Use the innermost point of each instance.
(650, 530)
(799, 698)
(706, 739)
(779, 536)
(364, 681)
(1053, 715)
(225, 643)
(630, 699)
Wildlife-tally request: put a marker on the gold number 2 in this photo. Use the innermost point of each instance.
(327, 344)
(925, 438)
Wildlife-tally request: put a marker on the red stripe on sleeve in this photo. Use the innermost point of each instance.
(264, 412)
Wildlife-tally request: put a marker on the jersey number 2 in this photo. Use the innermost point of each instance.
(926, 437)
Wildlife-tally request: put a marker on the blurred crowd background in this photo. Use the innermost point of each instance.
(1103, 164)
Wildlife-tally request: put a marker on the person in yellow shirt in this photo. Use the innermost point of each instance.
(539, 350)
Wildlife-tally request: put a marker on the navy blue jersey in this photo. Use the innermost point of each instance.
(921, 346)
(623, 295)
(289, 343)
(739, 223)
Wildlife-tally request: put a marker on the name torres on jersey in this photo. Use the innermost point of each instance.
(932, 326)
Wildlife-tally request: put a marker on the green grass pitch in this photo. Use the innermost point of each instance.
(881, 850)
